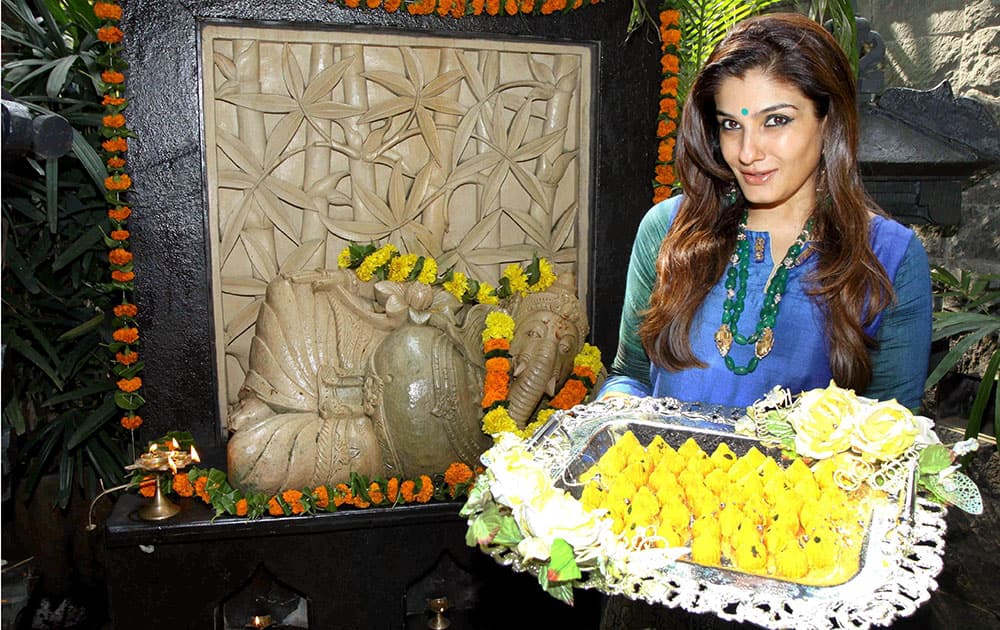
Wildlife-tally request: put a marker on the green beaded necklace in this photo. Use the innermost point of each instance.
(736, 290)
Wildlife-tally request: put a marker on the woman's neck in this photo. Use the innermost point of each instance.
(779, 219)
(783, 224)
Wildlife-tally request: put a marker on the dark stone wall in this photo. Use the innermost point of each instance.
(170, 225)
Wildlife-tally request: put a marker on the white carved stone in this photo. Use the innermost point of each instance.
(475, 152)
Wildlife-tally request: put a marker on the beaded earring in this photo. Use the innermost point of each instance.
(730, 196)
(821, 181)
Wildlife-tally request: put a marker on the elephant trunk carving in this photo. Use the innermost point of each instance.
(533, 382)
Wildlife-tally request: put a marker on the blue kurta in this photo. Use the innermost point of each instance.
(799, 360)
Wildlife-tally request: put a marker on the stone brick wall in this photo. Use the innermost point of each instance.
(928, 41)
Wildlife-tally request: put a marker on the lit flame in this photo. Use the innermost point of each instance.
(194, 455)
(152, 447)
(174, 445)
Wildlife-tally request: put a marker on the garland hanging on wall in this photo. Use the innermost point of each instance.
(669, 115)
(461, 8)
(125, 338)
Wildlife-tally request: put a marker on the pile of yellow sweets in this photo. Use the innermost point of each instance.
(739, 512)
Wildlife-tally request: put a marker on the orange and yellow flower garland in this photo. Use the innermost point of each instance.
(666, 126)
(125, 338)
(386, 263)
(461, 8)
(497, 336)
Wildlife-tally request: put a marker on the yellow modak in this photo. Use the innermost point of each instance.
(737, 512)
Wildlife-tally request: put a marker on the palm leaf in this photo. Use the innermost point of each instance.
(951, 359)
(51, 64)
(838, 17)
(92, 423)
(969, 314)
(703, 25)
(982, 397)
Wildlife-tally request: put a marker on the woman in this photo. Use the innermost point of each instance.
(774, 267)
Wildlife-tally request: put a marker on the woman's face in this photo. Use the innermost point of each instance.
(771, 139)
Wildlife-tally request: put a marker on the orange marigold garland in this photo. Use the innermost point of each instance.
(458, 478)
(461, 8)
(147, 485)
(321, 496)
(212, 487)
(182, 485)
(126, 335)
(131, 422)
(274, 508)
(664, 176)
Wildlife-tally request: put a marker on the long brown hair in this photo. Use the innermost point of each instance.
(849, 283)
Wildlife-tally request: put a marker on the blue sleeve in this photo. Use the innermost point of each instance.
(629, 372)
(899, 363)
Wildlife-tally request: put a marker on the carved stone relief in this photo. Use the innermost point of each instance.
(474, 152)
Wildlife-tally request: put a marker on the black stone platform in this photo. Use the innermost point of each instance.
(353, 567)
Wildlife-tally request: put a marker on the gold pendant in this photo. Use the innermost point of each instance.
(723, 339)
(758, 249)
(763, 346)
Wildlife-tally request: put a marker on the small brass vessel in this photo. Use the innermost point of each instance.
(437, 606)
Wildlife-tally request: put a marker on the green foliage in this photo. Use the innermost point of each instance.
(703, 25)
(556, 577)
(970, 314)
(57, 389)
(838, 17)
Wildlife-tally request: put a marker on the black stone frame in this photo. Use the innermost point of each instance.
(169, 195)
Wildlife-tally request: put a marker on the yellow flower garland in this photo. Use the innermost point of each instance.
(386, 263)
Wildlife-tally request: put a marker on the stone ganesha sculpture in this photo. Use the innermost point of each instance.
(382, 378)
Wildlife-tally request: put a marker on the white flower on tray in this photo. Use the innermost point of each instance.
(542, 512)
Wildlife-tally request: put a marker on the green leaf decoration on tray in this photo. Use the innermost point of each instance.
(940, 475)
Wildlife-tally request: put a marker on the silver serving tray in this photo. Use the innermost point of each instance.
(886, 585)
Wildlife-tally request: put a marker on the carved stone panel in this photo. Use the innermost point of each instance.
(475, 152)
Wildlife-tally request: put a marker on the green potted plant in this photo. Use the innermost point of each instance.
(969, 314)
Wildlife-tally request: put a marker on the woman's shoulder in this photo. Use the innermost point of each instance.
(658, 219)
(892, 242)
(886, 231)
